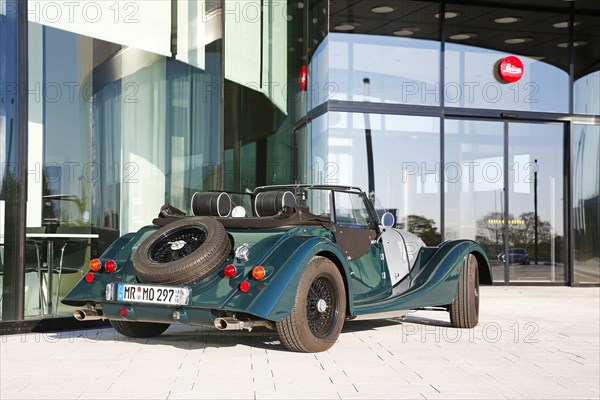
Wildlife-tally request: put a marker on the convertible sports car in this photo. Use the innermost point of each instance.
(298, 259)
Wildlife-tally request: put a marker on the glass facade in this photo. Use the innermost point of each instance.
(406, 164)
(479, 37)
(586, 203)
(135, 104)
(499, 163)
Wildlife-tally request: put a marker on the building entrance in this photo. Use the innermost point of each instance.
(504, 184)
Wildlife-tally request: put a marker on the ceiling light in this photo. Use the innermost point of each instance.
(507, 20)
(565, 24)
(448, 14)
(518, 40)
(346, 26)
(575, 44)
(406, 31)
(382, 9)
(463, 36)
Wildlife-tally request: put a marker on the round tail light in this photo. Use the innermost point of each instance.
(230, 271)
(95, 264)
(245, 286)
(89, 277)
(110, 266)
(258, 273)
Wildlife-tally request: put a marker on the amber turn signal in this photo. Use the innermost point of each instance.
(95, 264)
(258, 273)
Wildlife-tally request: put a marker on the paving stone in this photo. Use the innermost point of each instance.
(532, 342)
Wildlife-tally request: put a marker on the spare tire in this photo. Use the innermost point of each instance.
(183, 251)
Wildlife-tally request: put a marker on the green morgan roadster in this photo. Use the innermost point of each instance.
(298, 259)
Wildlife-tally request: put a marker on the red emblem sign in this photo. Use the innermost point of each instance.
(511, 69)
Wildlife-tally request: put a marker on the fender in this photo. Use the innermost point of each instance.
(120, 251)
(436, 282)
(276, 300)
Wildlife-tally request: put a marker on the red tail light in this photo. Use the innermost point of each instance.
(123, 312)
(89, 277)
(95, 264)
(230, 271)
(245, 286)
(110, 266)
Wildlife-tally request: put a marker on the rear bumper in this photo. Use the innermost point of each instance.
(163, 314)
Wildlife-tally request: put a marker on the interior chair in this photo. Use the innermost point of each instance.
(35, 254)
(71, 256)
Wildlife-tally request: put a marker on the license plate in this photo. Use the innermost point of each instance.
(153, 294)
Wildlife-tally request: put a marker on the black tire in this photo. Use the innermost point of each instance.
(308, 329)
(139, 329)
(182, 252)
(464, 310)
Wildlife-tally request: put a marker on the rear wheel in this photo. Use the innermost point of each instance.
(139, 329)
(317, 318)
(464, 310)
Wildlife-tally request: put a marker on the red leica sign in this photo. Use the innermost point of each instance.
(510, 69)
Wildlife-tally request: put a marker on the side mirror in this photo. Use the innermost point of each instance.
(388, 220)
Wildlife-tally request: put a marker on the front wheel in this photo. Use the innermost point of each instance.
(316, 320)
(139, 329)
(464, 310)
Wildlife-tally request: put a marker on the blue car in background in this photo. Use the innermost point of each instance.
(515, 256)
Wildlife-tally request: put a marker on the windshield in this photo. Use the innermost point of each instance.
(351, 206)
(379, 209)
(315, 200)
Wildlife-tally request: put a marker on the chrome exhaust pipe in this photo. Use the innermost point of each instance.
(234, 324)
(88, 314)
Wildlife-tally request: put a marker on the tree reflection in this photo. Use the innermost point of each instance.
(521, 234)
(422, 227)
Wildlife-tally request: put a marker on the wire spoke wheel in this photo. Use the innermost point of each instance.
(184, 251)
(317, 317)
(321, 307)
(178, 245)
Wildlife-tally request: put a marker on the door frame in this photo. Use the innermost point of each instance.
(507, 119)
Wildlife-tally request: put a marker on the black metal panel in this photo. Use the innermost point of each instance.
(355, 242)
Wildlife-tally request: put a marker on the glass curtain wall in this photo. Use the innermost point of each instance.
(117, 130)
(586, 203)
(503, 179)
(265, 50)
(406, 164)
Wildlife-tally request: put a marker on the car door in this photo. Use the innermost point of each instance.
(356, 234)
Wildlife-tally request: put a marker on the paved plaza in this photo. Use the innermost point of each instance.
(532, 342)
